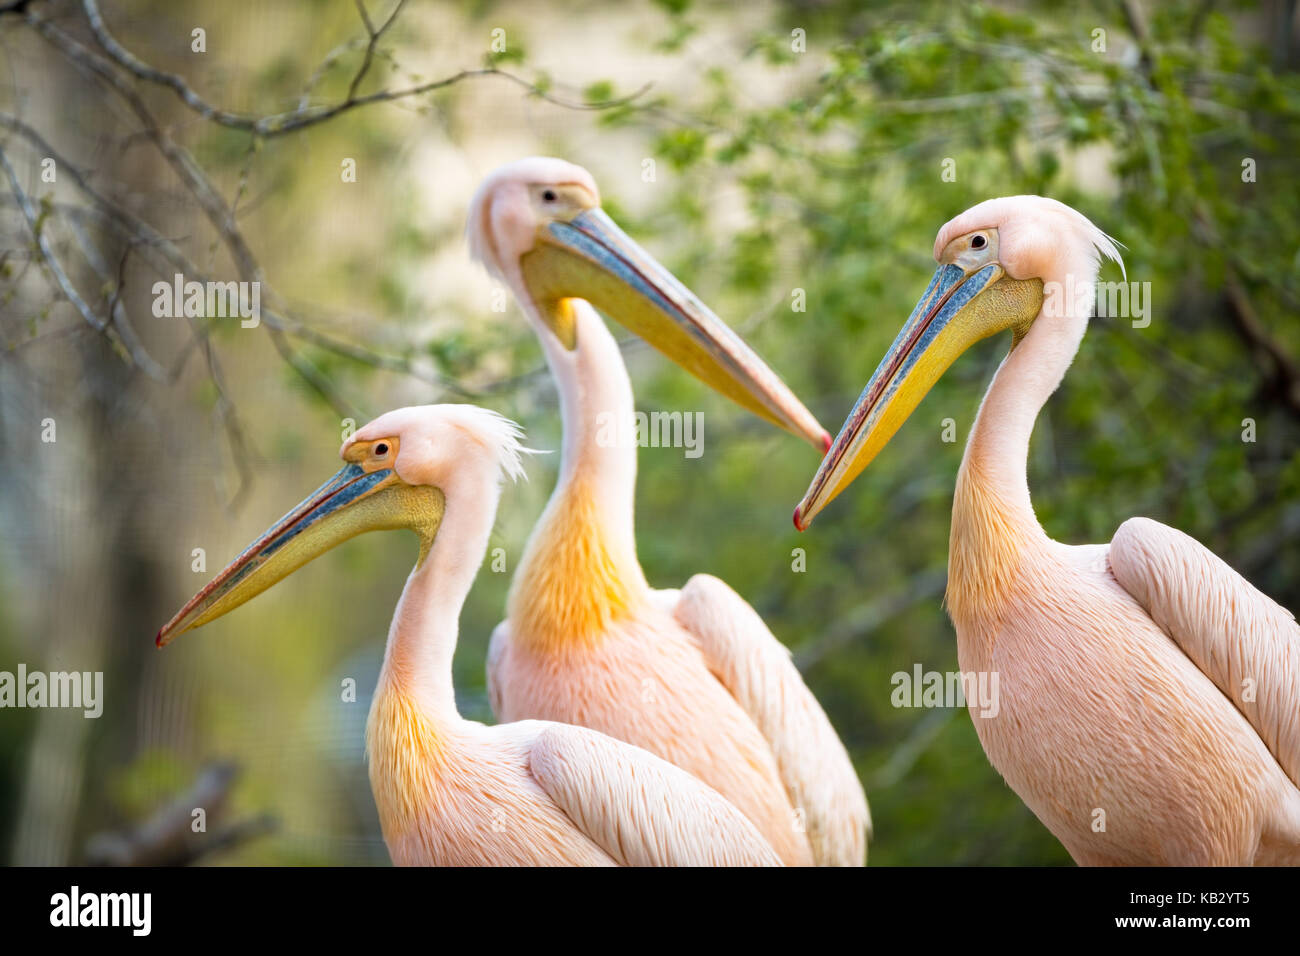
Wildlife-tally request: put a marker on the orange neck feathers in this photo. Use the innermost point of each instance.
(404, 747)
(579, 574)
(570, 587)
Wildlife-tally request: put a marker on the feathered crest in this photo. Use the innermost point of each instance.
(503, 436)
(1105, 246)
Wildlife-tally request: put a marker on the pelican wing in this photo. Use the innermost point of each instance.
(758, 671)
(641, 810)
(1243, 640)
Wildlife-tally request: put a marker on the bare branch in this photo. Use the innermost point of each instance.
(116, 310)
(375, 36)
(312, 376)
(1280, 370)
(180, 160)
(34, 222)
(322, 68)
(166, 838)
(227, 416)
(147, 238)
(209, 199)
(205, 194)
(279, 124)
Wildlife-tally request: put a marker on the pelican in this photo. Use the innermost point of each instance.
(1148, 703)
(451, 791)
(692, 675)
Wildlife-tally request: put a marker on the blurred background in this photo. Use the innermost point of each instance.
(802, 154)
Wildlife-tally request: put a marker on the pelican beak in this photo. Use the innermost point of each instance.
(352, 502)
(589, 257)
(959, 308)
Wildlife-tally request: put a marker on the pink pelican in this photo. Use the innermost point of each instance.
(451, 791)
(694, 675)
(1148, 697)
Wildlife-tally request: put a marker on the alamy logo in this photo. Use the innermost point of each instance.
(84, 689)
(654, 430)
(978, 689)
(1116, 300)
(195, 300)
(102, 909)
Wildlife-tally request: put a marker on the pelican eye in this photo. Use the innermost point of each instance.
(549, 195)
(978, 242)
(381, 449)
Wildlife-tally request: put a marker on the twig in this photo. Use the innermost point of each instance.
(116, 309)
(1281, 372)
(227, 416)
(311, 375)
(42, 244)
(178, 158)
(167, 837)
(215, 208)
(279, 124)
(204, 193)
(375, 36)
(322, 68)
(146, 236)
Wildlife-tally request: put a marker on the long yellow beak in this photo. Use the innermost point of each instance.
(957, 310)
(352, 502)
(589, 257)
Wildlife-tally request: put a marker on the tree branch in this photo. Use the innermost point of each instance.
(375, 36)
(35, 224)
(279, 124)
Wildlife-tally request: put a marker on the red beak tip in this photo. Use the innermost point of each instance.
(158, 639)
(798, 526)
(826, 442)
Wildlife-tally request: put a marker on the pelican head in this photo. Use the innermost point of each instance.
(993, 260)
(537, 223)
(397, 475)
